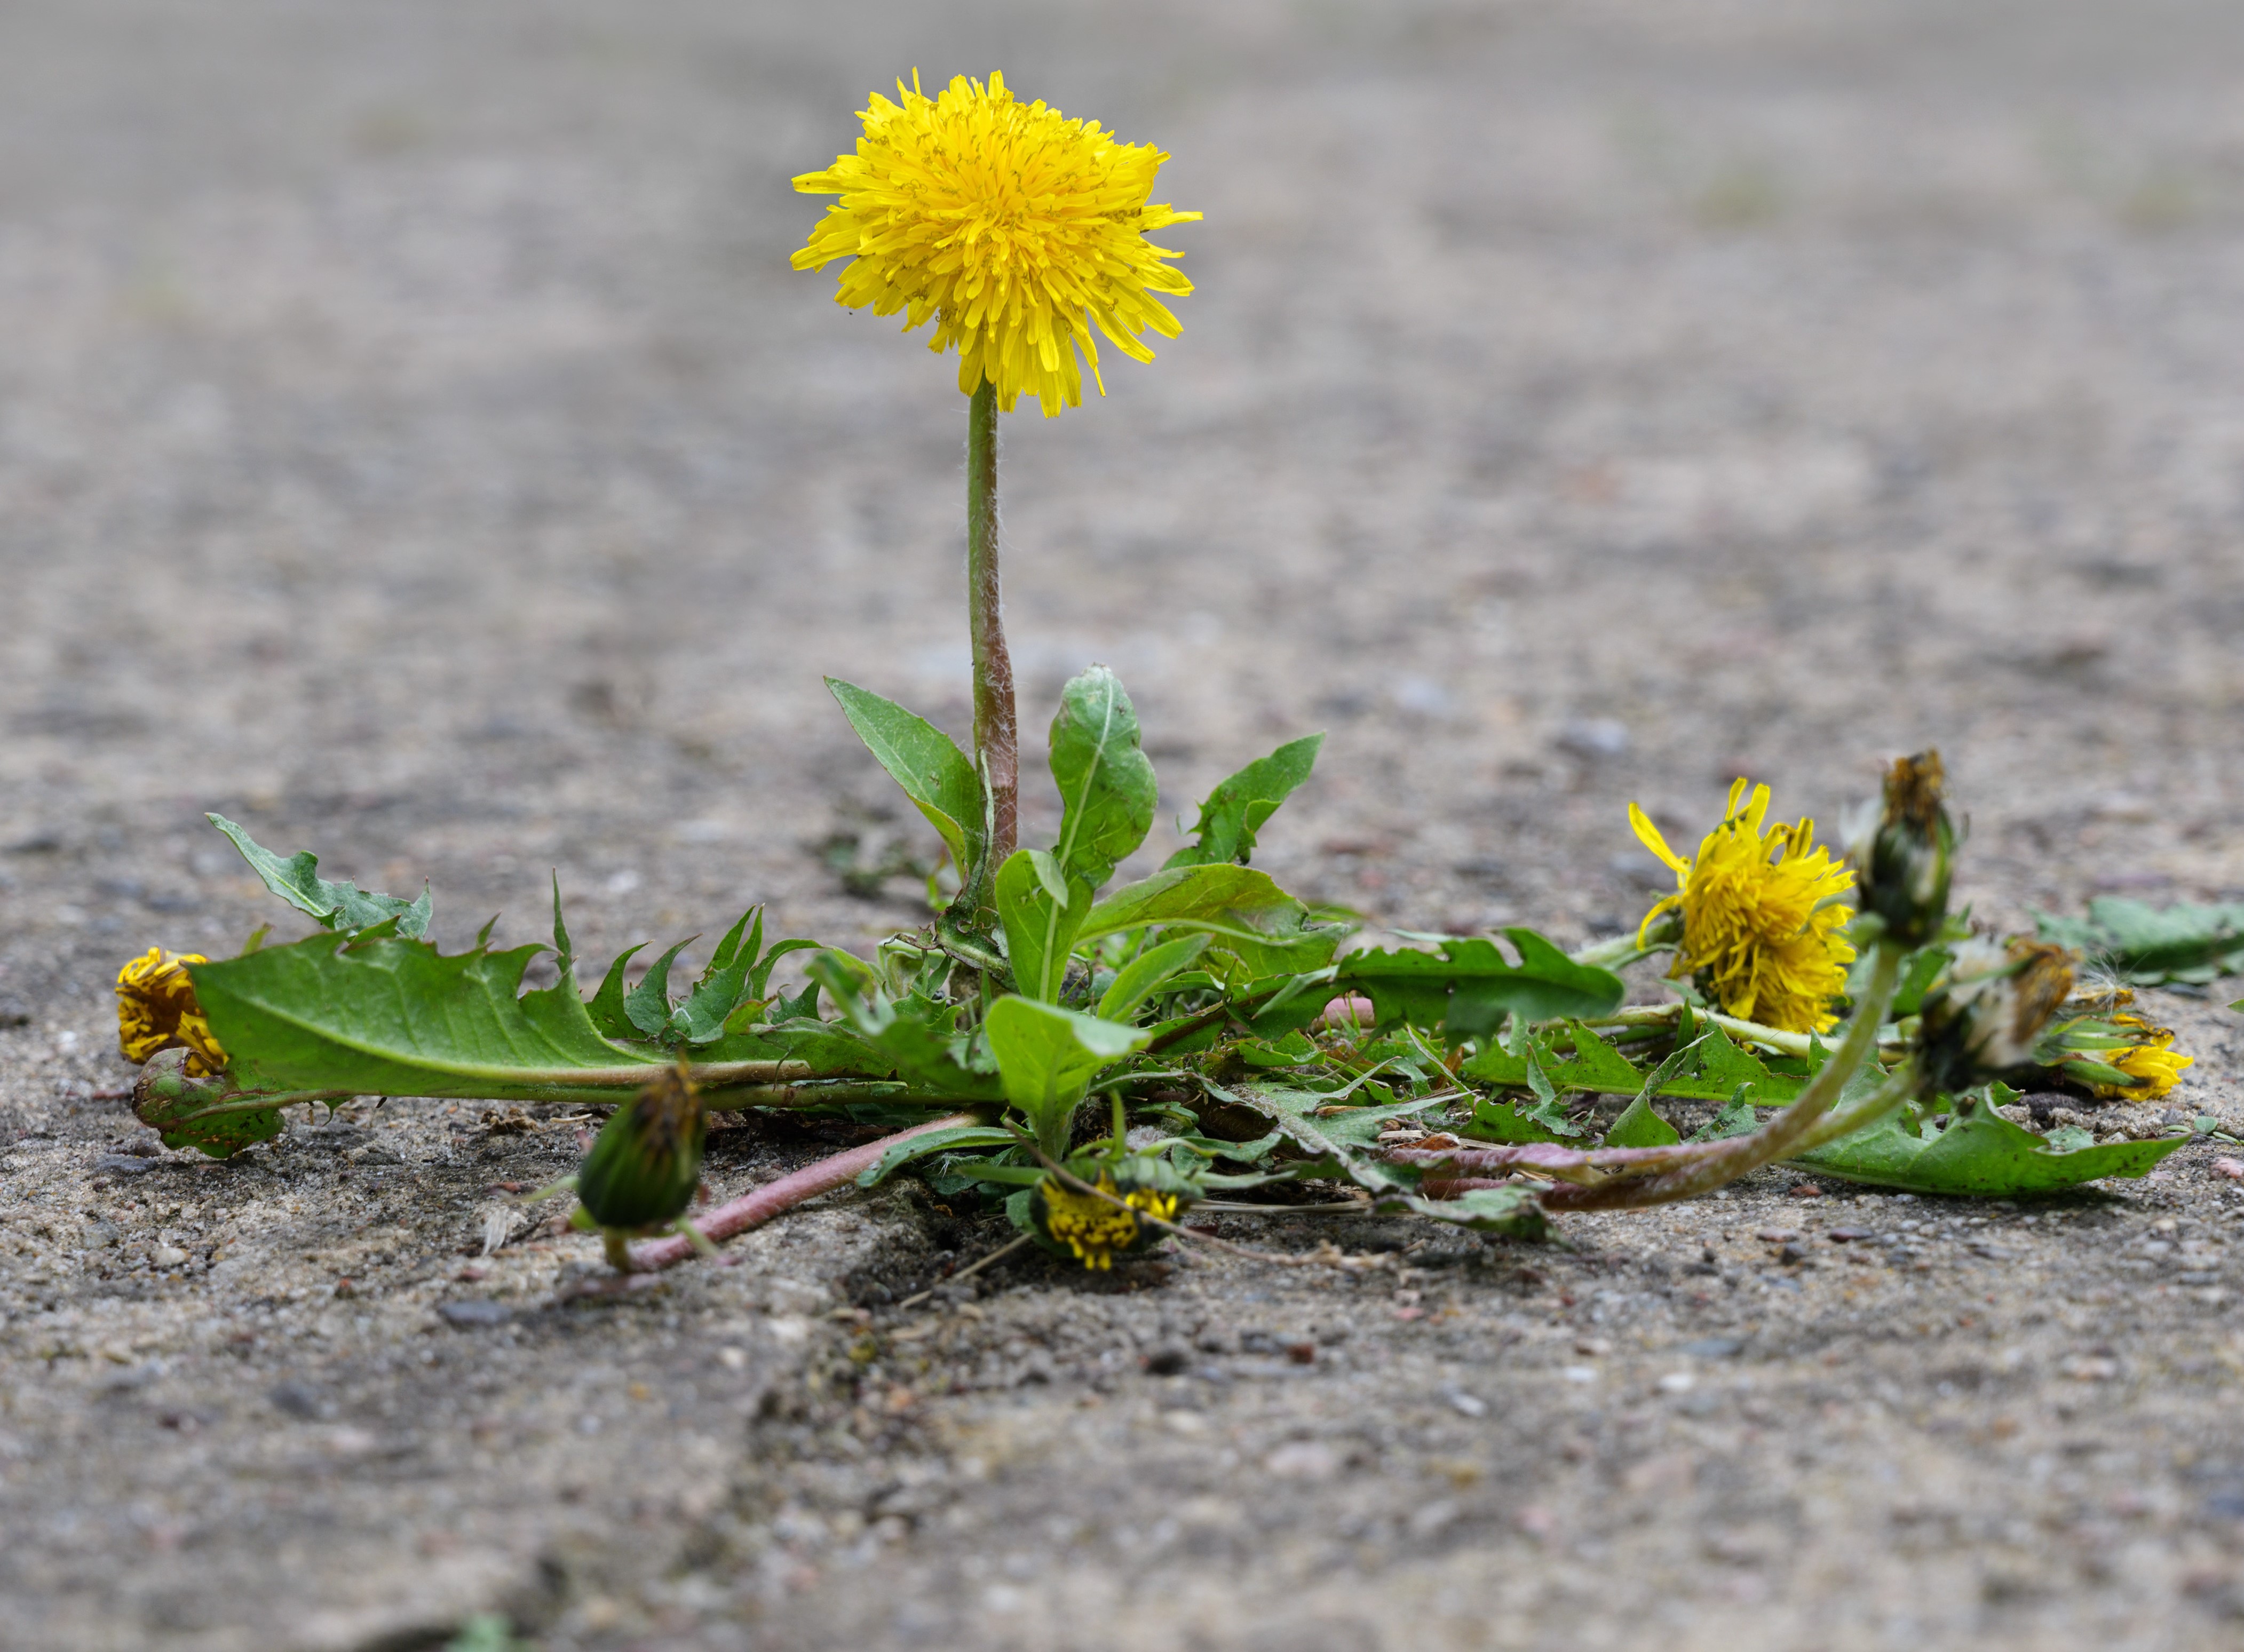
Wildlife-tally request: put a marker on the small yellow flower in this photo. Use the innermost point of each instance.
(1011, 226)
(1761, 919)
(156, 1009)
(2154, 1064)
(1095, 1228)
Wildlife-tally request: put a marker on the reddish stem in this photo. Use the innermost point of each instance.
(774, 1198)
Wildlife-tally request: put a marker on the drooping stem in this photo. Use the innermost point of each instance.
(997, 725)
(1899, 1087)
(1780, 1138)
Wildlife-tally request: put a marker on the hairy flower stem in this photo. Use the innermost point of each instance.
(1662, 1015)
(1899, 1087)
(996, 724)
(774, 1198)
(1782, 1137)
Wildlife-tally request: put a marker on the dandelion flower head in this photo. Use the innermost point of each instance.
(2154, 1064)
(1093, 1225)
(1009, 226)
(157, 1010)
(1760, 921)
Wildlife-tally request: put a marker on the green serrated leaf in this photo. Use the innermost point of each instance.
(648, 1004)
(606, 1010)
(802, 1006)
(1707, 1066)
(920, 1146)
(1539, 1082)
(1639, 1126)
(1467, 988)
(343, 907)
(564, 952)
(2150, 946)
(1292, 1050)
(1040, 927)
(759, 975)
(918, 1037)
(936, 775)
(1290, 1004)
(1348, 1138)
(1592, 1066)
(1238, 808)
(1737, 1117)
(714, 997)
(1143, 976)
(1509, 1122)
(1106, 787)
(1513, 1212)
(1047, 1057)
(393, 1016)
(1982, 1156)
(1244, 913)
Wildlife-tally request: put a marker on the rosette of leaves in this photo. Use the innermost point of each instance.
(373, 1006)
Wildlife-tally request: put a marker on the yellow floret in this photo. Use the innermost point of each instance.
(1011, 226)
(1761, 920)
(156, 1009)
(2155, 1065)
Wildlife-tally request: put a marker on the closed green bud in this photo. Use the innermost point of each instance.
(180, 1099)
(646, 1161)
(1986, 1017)
(1903, 852)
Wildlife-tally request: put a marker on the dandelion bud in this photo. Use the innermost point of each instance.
(1987, 1016)
(646, 1161)
(167, 1089)
(2118, 1057)
(1902, 854)
(1095, 1226)
(156, 1009)
(199, 1110)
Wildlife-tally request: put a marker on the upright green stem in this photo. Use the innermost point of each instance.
(997, 725)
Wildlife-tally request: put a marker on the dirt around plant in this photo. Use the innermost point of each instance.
(414, 445)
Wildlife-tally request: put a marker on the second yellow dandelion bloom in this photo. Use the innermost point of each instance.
(1011, 226)
(1762, 921)
(156, 1009)
(2154, 1064)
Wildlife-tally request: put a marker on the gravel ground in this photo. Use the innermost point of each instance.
(414, 444)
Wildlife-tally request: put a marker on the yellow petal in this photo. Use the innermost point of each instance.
(1648, 834)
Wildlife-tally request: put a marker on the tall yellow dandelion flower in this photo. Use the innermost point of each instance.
(156, 1009)
(2154, 1064)
(1761, 920)
(1009, 226)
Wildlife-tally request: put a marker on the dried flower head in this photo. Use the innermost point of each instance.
(1987, 1015)
(1009, 226)
(1761, 916)
(156, 1009)
(644, 1165)
(1903, 849)
(1093, 1225)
